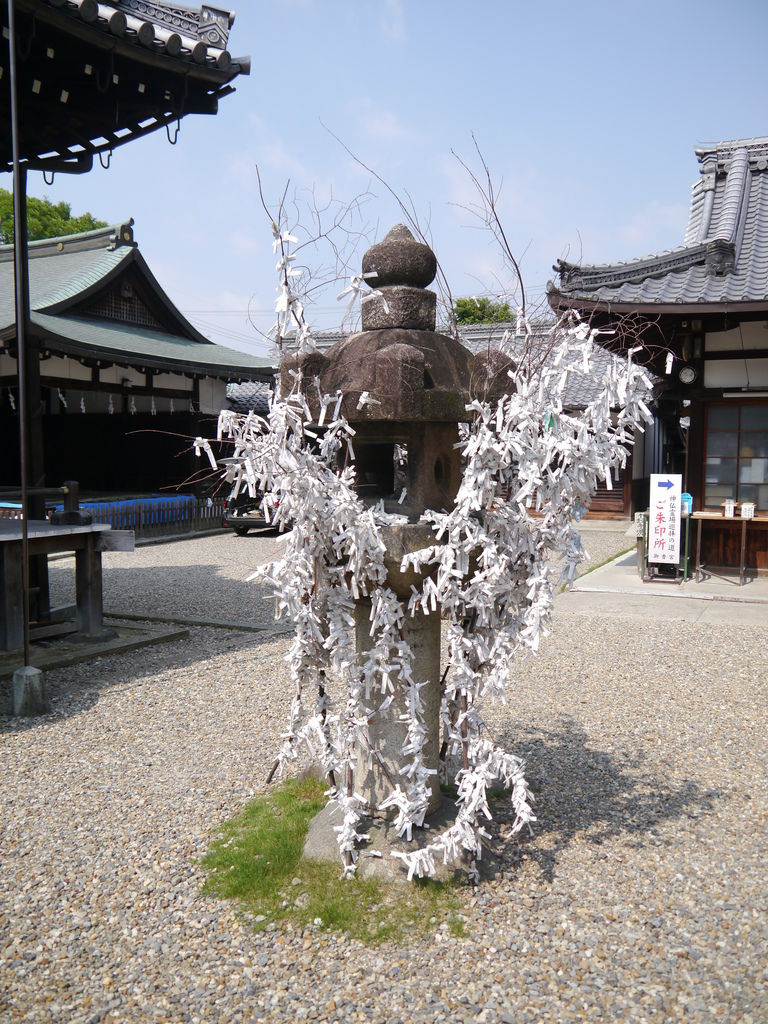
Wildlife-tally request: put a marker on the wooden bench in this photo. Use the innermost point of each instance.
(44, 538)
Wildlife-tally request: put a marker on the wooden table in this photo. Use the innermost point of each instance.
(722, 520)
(87, 543)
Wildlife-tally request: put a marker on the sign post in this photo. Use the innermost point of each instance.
(664, 519)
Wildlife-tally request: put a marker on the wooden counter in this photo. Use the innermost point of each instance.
(736, 523)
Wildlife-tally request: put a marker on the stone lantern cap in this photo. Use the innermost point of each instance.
(398, 269)
(408, 370)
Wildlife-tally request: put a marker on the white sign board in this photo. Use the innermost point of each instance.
(664, 519)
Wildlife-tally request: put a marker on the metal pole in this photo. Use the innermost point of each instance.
(687, 440)
(22, 313)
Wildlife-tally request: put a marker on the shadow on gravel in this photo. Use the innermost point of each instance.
(74, 689)
(201, 591)
(594, 795)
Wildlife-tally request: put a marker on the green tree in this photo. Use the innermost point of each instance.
(481, 310)
(44, 219)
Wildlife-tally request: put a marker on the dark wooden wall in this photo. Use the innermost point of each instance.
(118, 454)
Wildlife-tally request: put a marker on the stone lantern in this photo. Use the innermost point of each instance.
(406, 431)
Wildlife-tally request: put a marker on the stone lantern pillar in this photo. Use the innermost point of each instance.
(417, 382)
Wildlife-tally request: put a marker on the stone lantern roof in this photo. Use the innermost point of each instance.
(93, 76)
(409, 371)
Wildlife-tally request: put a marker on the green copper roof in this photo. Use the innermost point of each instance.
(66, 273)
(115, 342)
(60, 269)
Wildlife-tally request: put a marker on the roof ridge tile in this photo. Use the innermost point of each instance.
(726, 237)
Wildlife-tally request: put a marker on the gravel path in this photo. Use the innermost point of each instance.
(640, 897)
(211, 585)
(603, 541)
(204, 578)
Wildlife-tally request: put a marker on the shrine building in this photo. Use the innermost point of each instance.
(125, 379)
(700, 311)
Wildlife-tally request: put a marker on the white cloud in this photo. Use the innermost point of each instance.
(654, 227)
(379, 124)
(276, 155)
(245, 243)
(392, 20)
(241, 169)
(267, 151)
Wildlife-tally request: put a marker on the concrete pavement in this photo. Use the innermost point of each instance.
(616, 588)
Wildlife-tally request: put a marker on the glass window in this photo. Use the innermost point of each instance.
(721, 471)
(754, 444)
(752, 471)
(753, 417)
(723, 444)
(736, 462)
(723, 417)
(748, 492)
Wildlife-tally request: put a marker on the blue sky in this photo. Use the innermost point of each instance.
(589, 113)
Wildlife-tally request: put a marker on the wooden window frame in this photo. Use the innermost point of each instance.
(738, 404)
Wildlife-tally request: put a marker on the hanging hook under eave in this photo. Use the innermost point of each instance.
(101, 159)
(103, 83)
(175, 138)
(45, 176)
(23, 51)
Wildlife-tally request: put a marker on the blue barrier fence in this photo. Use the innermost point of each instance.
(141, 513)
(158, 516)
(154, 516)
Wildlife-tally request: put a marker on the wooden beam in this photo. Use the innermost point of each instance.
(737, 353)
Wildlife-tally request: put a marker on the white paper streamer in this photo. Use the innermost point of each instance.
(488, 572)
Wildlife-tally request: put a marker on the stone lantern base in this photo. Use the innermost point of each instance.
(387, 731)
(375, 857)
(421, 632)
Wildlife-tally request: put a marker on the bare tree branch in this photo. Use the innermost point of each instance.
(486, 210)
(410, 215)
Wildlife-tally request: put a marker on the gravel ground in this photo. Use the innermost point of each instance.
(603, 541)
(211, 585)
(640, 897)
(204, 578)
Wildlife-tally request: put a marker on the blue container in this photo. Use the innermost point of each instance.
(686, 503)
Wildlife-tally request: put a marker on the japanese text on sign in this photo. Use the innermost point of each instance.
(664, 519)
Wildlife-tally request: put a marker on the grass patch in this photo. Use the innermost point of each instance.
(599, 565)
(255, 858)
(605, 561)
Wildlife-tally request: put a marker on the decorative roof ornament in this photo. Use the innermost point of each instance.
(215, 23)
(722, 259)
(122, 235)
(208, 24)
(718, 157)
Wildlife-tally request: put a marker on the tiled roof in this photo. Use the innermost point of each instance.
(65, 272)
(479, 338)
(250, 396)
(93, 75)
(58, 274)
(155, 349)
(724, 255)
(197, 34)
(579, 390)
